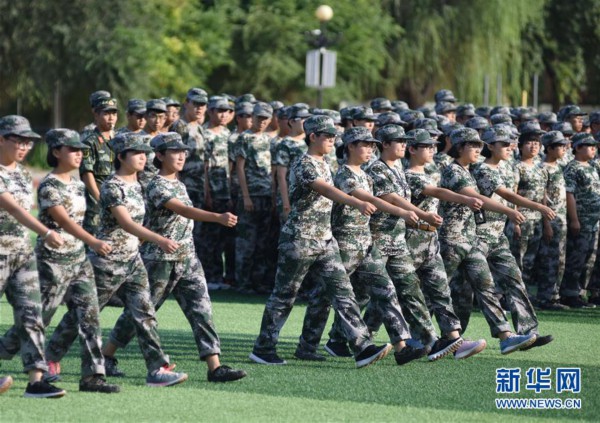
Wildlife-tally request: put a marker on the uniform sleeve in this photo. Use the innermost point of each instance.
(307, 172)
(457, 180)
(231, 146)
(382, 182)
(346, 181)
(49, 195)
(242, 147)
(488, 180)
(3, 185)
(208, 150)
(159, 193)
(89, 156)
(416, 183)
(111, 195)
(570, 179)
(282, 155)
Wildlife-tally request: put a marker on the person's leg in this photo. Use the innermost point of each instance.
(550, 263)
(533, 245)
(262, 272)
(245, 245)
(213, 238)
(579, 252)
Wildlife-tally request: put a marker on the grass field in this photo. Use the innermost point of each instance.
(334, 390)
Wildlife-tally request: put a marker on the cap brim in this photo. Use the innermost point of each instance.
(138, 147)
(198, 99)
(79, 145)
(329, 130)
(26, 134)
(138, 111)
(173, 146)
(263, 114)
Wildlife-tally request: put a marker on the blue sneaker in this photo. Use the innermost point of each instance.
(516, 342)
(164, 377)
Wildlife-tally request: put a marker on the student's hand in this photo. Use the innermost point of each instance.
(548, 213)
(54, 240)
(516, 217)
(248, 205)
(574, 227)
(517, 232)
(474, 204)
(168, 246)
(228, 219)
(411, 218)
(367, 209)
(548, 232)
(434, 219)
(101, 248)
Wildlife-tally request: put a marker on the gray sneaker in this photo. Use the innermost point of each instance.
(164, 377)
(516, 342)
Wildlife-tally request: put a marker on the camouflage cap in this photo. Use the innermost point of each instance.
(526, 115)
(429, 125)
(565, 127)
(420, 136)
(347, 113)
(445, 95)
(56, 138)
(319, 123)
(498, 133)
(498, 118)
(219, 103)
(428, 112)
(105, 104)
(583, 138)
(409, 116)
(381, 103)
(570, 110)
(244, 108)
(449, 127)
(441, 120)
(554, 137)
(168, 141)
(170, 101)
(229, 97)
(135, 105)
(500, 109)
(477, 122)
(465, 110)
(129, 141)
(333, 114)
(595, 116)
(17, 125)
(97, 95)
(282, 113)
(156, 105)
(262, 109)
(389, 118)
(547, 117)
(198, 95)
(276, 105)
(364, 113)
(531, 127)
(483, 111)
(444, 107)
(399, 105)
(463, 135)
(298, 111)
(248, 98)
(357, 134)
(389, 133)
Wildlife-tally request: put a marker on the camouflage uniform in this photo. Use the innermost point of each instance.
(306, 245)
(122, 272)
(286, 153)
(388, 236)
(425, 252)
(583, 182)
(462, 249)
(146, 175)
(495, 247)
(253, 227)
(179, 273)
(18, 272)
(214, 235)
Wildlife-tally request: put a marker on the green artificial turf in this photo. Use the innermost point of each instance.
(333, 390)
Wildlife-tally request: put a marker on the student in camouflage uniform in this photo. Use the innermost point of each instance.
(217, 193)
(97, 163)
(172, 112)
(136, 116)
(550, 260)
(93, 99)
(567, 130)
(583, 210)
(461, 247)
(253, 163)
(180, 273)
(65, 271)
(306, 245)
(122, 272)
(156, 116)
(18, 270)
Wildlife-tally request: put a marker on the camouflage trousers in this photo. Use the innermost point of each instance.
(581, 254)
(253, 245)
(402, 272)
(75, 282)
(594, 285)
(128, 280)
(229, 246)
(425, 251)
(185, 280)
(320, 259)
(213, 237)
(469, 259)
(196, 195)
(19, 279)
(526, 247)
(550, 262)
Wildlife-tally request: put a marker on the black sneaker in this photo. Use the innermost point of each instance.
(443, 347)
(540, 341)
(301, 354)
(225, 374)
(371, 354)
(337, 349)
(576, 302)
(552, 306)
(594, 300)
(269, 359)
(43, 389)
(97, 383)
(408, 354)
(110, 366)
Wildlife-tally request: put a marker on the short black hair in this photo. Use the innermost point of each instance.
(453, 152)
(157, 163)
(51, 159)
(486, 152)
(531, 136)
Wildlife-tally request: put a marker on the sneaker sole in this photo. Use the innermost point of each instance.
(540, 343)
(259, 360)
(472, 352)
(519, 346)
(375, 358)
(53, 395)
(181, 379)
(333, 354)
(448, 350)
(8, 381)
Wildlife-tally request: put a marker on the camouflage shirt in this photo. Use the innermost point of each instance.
(217, 156)
(14, 237)
(509, 173)
(231, 147)
(387, 230)
(193, 170)
(489, 180)
(442, 160)
(459, 220)
(556, 193)
(146, 175)
(53, 192)
(532, 181)
(166, 222)
(310, 217)
(116, 192)
(255, 149)
(98, 160)
(274, 142)
(582, 180)
(417, 182)
(350, 227)
(288, 151)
